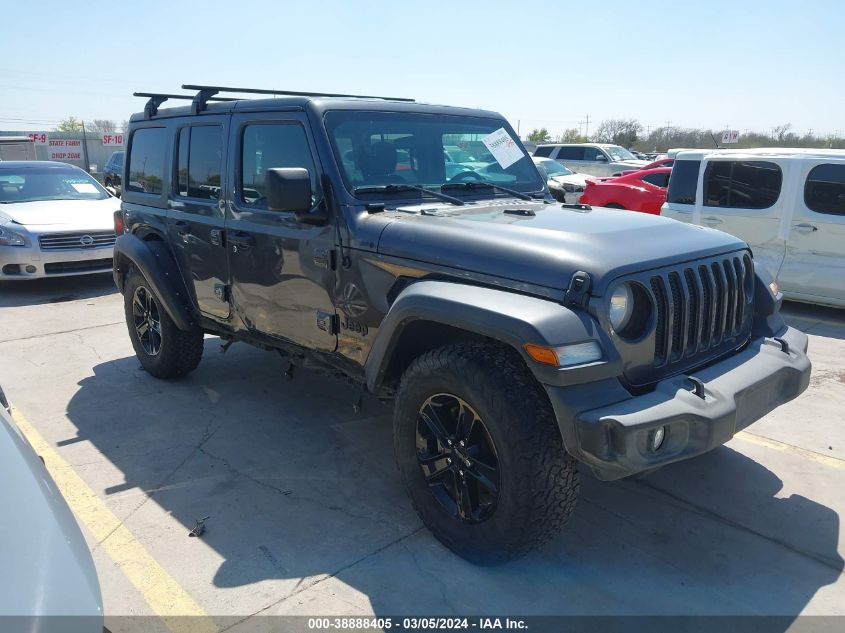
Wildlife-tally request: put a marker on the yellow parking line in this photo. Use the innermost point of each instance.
(827, 460)
(165, 596)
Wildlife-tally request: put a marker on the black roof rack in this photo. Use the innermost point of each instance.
(157, 98)
(212, 90)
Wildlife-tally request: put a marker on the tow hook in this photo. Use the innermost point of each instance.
(697, 386)
(784, 346)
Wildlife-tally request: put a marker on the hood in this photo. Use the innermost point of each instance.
(572, 179)
(82, 214)
(546, 248)
(47, 568)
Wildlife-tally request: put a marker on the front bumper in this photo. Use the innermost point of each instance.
(611, 435)
(30, 262)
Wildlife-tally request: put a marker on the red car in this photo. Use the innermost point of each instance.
(643, 190)
(660, 162)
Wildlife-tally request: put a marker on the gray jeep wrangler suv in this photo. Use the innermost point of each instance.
(517, 336)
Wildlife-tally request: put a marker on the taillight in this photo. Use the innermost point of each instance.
(118, 222)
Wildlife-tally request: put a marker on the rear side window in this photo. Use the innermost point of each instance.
(199, 161)
(683, 182)
(658, 180)
(268, 145)
(543, 151)
(741, 184)
(571, 153)
(146, 160)
(824, 191)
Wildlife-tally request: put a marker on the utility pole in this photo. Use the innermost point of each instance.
(586, 126)
(87, 165)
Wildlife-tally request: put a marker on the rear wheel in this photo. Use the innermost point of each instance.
(163, 350)
(480, 453)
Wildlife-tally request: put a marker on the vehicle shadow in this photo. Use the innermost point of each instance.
(822, 320)
(301, 491)
(15, 294)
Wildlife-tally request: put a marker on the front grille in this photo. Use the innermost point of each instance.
(701, 308)
(90, 265)
(76, 240)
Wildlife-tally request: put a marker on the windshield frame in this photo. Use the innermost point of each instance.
(58, 172)
(533, 186)
(565, 170)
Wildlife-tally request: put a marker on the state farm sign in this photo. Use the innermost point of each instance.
(65, 149)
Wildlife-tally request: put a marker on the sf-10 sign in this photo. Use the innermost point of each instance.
(112, 139)
(730, 136)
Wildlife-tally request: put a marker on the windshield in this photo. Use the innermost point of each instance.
(45, 183)
(554, 168)
(376, 149)
(619, 153)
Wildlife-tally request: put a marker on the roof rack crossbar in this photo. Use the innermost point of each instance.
(157, 98)
(286, 93)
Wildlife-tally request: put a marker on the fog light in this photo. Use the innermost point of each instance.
(655, 439)
(30, 269)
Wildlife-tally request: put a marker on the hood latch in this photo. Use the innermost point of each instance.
(578, 291)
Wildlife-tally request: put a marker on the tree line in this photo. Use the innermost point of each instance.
(630, 133)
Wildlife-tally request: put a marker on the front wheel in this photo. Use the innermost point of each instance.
(480, 453)
(163, 350)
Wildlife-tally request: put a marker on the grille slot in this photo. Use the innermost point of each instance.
(702, 308)
(76, 240)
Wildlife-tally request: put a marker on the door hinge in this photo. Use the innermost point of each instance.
(328, 322)
(578, 291)
(221, 291)
(326, 258)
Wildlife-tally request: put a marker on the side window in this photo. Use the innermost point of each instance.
(824, 191)
(571, 153)
(268, 145)
(593, 154)
(199, 161)
(683, 182)
(543, 151)
(146, 160)
(742, 184)
(658, 180)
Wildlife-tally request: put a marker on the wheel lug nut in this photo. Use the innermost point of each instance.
(448, 460)
(461, 473)
(467, 463)
(448, 442)
(461, 443)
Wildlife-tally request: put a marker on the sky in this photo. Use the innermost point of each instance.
(711, 64)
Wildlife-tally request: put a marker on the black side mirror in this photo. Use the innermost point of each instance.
(288, 189)
(112, 191)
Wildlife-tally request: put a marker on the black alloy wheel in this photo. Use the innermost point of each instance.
(147, 319)
(457, 457)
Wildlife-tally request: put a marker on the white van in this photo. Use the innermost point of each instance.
(788, 204)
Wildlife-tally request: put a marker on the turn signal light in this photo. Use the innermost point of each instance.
(564, 355)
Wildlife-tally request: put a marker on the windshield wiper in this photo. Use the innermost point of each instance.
(476, 185)
(407, 187)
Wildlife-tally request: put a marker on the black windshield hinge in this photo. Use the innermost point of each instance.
(578, 291)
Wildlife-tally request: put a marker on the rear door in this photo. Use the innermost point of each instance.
(745, 198)
(283, 271)
(815, 257)
(195, 216)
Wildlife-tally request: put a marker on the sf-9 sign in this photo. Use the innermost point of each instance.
(39, 138)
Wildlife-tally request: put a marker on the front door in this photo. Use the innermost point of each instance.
(195, 216)
(815, 256)
(282, 270)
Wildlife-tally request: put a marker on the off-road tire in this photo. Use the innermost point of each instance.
(180, 351)
(539, 479)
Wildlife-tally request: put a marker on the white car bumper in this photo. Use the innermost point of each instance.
(56, 255)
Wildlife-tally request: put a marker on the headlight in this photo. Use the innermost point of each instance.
(572, 188)
(10, 238)
(621, 307)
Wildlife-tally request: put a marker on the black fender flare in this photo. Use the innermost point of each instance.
(511, 318)
(157, 265)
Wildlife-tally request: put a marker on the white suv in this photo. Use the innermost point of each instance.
(596, 159)
(788, 204)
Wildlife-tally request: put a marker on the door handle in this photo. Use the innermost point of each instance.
(711, 221)
(806, 228)
(241, 240)
(182, 228)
